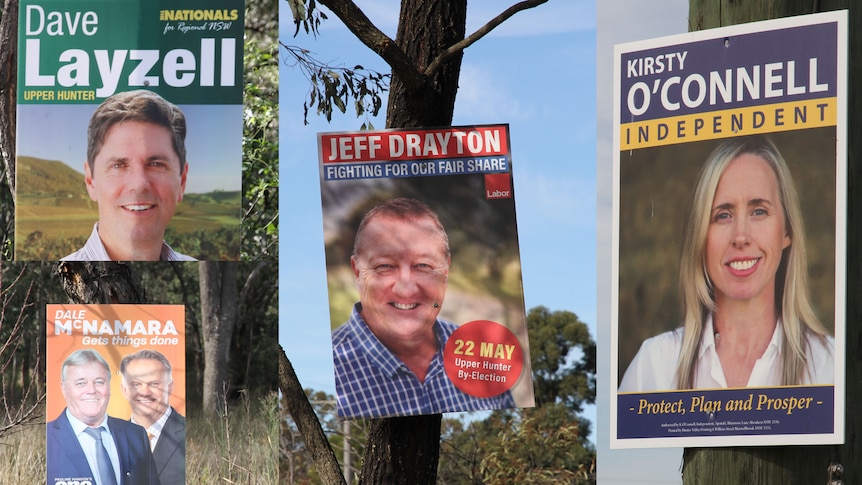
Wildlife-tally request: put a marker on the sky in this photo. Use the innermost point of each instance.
(620, 21)
(537, 72)
(213, 146)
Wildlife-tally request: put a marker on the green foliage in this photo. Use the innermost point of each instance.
(50, 177)
(537, 446)
(338, 87)
(260, 153)
(332, 86)
(56, 216)
(306, 15)
(543, 445)
(222, 244)
(7, 220)
(563, 356)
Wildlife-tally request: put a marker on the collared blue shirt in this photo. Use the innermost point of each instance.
(88, 445)
(371, 382)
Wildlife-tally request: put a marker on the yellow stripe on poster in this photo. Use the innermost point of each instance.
(770, 118)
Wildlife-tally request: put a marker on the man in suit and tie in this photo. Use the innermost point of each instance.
(87, 445)
(148, 384)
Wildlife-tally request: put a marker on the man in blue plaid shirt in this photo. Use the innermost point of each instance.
(389, 354)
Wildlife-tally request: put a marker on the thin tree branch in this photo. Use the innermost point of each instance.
(307, 423)
(376, 40)
(401, 65)
(250, 281)
(481, 32)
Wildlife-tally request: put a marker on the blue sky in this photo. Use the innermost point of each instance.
(538, 72)
(535, 72)
(620, 21)
(212, 143)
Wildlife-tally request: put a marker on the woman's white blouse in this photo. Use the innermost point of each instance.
(654, 366)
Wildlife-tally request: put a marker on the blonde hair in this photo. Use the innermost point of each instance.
(792, 299)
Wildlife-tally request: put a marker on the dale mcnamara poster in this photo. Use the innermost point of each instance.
(423, 271)
(73, 56)
(729, 236)
(122, 366)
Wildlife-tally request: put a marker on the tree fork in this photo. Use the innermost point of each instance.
(425, 31)
(426, 61)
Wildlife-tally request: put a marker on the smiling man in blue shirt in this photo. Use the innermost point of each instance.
(389, 354)
(136, 171)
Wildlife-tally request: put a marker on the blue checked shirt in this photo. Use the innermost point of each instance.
(371, 382)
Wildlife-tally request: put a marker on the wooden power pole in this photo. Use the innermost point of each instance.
(801, 464)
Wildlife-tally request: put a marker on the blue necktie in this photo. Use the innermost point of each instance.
(103, 461)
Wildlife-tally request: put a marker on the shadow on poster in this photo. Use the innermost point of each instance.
(118, 370)
(426, 305)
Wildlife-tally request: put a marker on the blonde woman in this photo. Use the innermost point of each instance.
(748, 318)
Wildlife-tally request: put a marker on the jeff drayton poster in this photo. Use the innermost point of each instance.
(729, 236)
(116, 394)
(92, 71)
(423, 271)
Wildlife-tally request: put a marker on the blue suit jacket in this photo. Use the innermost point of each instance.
(170, 452)
(66, 458)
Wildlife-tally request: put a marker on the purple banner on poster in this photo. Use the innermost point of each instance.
(726, 412)
(735, 71)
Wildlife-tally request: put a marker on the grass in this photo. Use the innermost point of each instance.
(23, 455)
(51, 226)
(239, 448)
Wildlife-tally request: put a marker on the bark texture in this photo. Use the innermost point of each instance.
(219, 298)
(407, 450)
(8, 88)
(306, 421)
(100, 282)
(402, 451)
(425, 30)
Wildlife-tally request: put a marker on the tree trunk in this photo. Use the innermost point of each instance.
(402, 451)
(8, 92)
(799, 464)
(425, 29)
(219, 299)
(406, 450)
(100, 282)
(8, 88)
